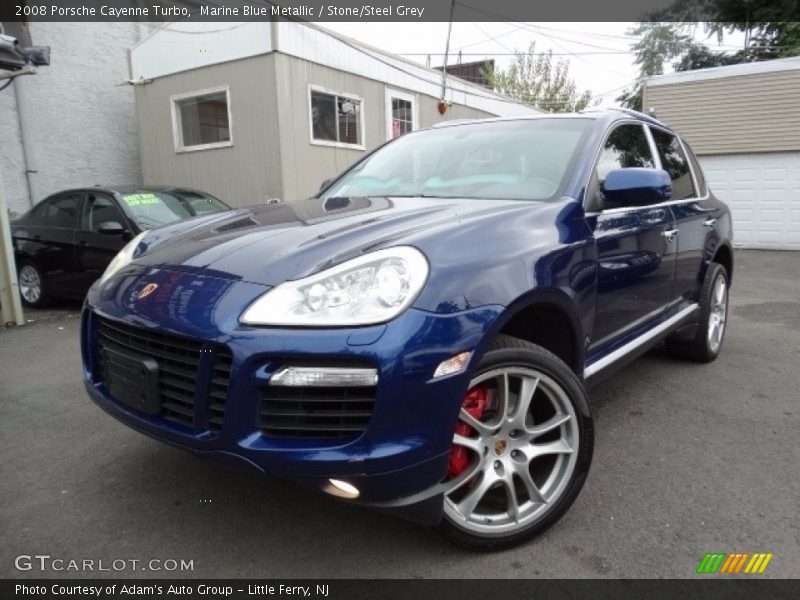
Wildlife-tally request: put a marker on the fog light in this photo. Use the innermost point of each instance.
(324, 377)
(453, 365)
(337, 487)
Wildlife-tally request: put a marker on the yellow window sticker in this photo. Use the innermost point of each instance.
(141, 199)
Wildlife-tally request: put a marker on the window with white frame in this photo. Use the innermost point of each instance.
(336, 119)
(401, 113)
(202, 120)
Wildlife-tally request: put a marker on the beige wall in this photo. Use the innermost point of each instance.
(248, 172)
(305, 165)
(272, 154)
(741, 114)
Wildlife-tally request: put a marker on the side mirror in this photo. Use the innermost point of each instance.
(325, 183)
(111, 228)
(636, 186)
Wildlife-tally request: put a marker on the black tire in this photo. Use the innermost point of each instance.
(700, 348)
(510, 352)
(44, 297)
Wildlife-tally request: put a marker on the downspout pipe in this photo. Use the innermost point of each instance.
(26, 135)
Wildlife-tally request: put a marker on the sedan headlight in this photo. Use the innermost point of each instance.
(122, 259)
(370, 289)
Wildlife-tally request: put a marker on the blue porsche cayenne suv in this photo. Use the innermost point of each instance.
(418, 337)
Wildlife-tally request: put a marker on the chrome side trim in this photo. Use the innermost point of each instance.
(648, 336)
(640, 321)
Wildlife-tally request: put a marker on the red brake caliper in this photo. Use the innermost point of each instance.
(475, 402)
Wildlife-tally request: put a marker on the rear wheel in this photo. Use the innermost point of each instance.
(713, 301)
(32, 288)
(521, 449)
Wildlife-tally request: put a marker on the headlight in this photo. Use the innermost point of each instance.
(123, 258)
(366, 290)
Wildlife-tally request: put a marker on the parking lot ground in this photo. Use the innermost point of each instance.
(689, 459)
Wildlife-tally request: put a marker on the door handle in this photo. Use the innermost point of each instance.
(709, 223)
(670, 234)
(83, 243)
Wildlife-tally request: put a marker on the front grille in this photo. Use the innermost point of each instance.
(316, 412)
(178, 362)
(218, 393)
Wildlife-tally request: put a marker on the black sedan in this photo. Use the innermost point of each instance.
(65, 242)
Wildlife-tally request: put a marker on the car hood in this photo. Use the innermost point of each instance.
(273, 243)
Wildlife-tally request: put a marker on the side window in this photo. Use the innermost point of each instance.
(60, 211)
(674, 162)
(698, 171)
(100, 209)
(626, 147)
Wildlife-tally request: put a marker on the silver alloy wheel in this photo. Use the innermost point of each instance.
(30, 284)
(503, 452)
(718, 314)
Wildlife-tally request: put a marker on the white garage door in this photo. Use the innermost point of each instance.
(763, 191)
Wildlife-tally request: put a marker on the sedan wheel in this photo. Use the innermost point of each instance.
(521, 449)
(31, 287)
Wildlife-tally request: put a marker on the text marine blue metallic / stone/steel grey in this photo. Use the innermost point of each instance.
(502, 279)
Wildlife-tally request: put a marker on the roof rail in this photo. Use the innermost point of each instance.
(627, 111)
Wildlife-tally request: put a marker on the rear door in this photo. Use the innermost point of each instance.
(50, 240)
(96, 249)
(695, 215)
(636, 252)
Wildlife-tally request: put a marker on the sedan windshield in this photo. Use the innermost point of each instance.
(154, 209)
(518, 159)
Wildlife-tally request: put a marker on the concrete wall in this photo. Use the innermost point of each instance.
(80, 124)
(245, 173)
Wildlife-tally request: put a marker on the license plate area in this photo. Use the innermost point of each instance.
(132, 379)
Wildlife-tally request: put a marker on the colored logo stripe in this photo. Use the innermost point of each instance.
(724, 563)
(759, 562)
(711, 563)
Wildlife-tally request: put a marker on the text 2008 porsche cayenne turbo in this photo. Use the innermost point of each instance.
(418, 336)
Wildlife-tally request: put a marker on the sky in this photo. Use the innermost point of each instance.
(598, 53)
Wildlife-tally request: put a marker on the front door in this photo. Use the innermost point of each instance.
(635, 245)
(94, 248)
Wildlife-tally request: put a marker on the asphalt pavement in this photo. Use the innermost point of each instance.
(689, 459)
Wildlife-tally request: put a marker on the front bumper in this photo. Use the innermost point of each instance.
(403, 450)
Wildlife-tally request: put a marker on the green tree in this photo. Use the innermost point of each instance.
(768, 34)
(539, 81)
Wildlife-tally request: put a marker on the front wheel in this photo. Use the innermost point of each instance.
(32, 287)
(521, 449)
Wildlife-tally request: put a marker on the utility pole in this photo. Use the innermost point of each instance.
(9, 287)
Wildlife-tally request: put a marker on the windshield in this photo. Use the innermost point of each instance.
(154, 209)
(520, 159)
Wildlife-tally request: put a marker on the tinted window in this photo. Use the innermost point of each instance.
(698, 172)
(200, 203)
(674, 162)
(520, 159)
(626, 147)
(154, 209)
(61, 211)
(98, 210)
